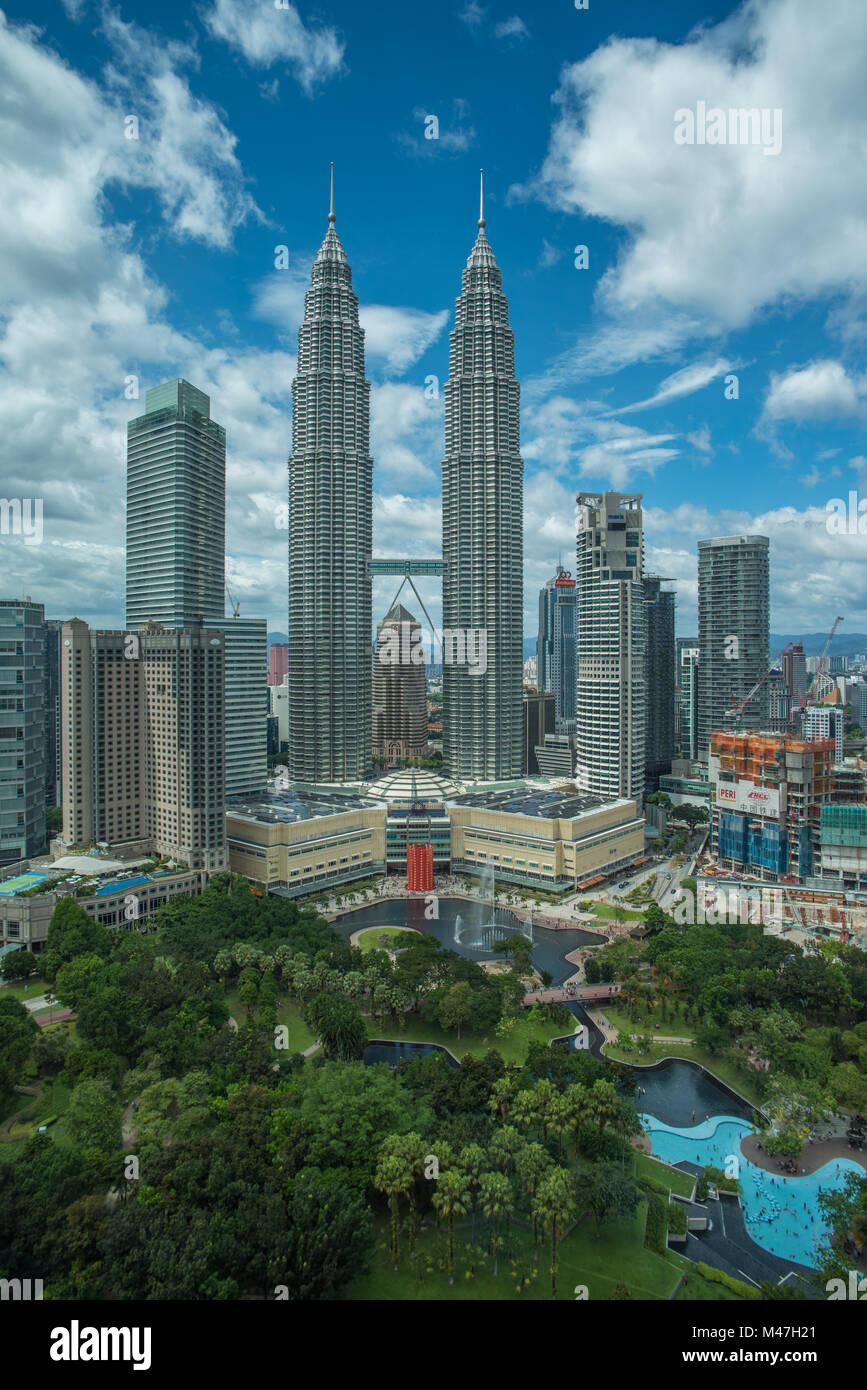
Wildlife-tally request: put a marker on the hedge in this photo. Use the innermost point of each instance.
(717, 1276)
(656, 1229)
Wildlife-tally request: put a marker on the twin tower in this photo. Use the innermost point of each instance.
(331, 531)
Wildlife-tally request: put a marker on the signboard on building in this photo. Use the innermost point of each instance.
(747, 798)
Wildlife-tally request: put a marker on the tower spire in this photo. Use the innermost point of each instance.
(482, 222)
(332, 216)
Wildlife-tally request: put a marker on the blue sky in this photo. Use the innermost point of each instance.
(155, 258)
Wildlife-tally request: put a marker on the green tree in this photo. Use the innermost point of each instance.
(554, 1207)
(93, 1118)
(497, 1201)
(451, 1199)
(456, 1008)
(394, 1178)
(18, 965)
(605, 1190)
(531, 1165)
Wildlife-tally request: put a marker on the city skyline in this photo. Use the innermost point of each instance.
(170, 270)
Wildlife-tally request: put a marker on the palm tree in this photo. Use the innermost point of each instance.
(451, 1199)
(531, 1164)
(502, 1094)
(560, 1119)
(496, 1200)
(543, 1094)
(523, 1109)
(506, 1144)
(578, 1107)
(604, 1104)
(394, 1178)
(472, 1162)
(554, 1207)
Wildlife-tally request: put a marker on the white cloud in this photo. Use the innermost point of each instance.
(561, 434)
(399, 336)
(681, 383)
(822, 390)
(513, 28)
(450, 139)
(266, 35)
(406, 430)
(700, 440)
(472, 14)
(718, 233)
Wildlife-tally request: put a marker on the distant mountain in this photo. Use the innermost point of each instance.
(277, 637)
(844, 643)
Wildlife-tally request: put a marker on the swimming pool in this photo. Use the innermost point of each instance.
(781, 1214)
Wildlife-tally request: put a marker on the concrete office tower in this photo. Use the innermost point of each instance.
(330, 532)
(733, 633)
(246, 642)
(278, 662)
(555, 647)
(175, 510)
(538, 718)
(399, 690)
(795, 672)
(483, 528)
(22, 729)
(686, 696)
(611, 691)
(659, 745)
(144, 762)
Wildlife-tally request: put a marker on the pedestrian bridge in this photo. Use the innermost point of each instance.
(577, 994)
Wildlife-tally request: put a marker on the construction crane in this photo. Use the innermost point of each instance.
(805, 700)
(236, 607)
(738, 706)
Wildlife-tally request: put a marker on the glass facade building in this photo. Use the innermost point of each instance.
(22, 729)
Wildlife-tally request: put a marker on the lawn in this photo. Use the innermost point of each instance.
(512, 1047)
(672, 1025)
(289, 1014)
(619, 1256)
(372, 938)
(661, 1173)
(25, 989)
(626, 913)
(26, 1113)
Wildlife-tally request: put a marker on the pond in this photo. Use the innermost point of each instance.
(550, 947)
(394, 1052)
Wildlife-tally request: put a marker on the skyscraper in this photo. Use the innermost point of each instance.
(176, 561)
(176, 509)
(144, 760)
(330, 532)
(53, 742)
(733, 633)
(659, 731)
(795, 671)
(555, 647)
(399, 690)
(22, 729)
(686, 712)
(483, 528)
(611, 690)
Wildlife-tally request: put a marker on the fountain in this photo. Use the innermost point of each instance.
(480, 935)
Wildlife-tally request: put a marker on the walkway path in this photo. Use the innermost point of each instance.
(813, 1156)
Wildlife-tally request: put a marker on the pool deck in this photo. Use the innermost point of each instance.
(812, 1157)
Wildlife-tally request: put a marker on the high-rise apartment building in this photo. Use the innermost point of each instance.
(53, 746)
(330, 532)
(686, 697)
(795, 671)
(176, 562)
(823, 721)
(176, 510)
(611, 690)
(555, 647)
(659, 745)
(144, 762)
(483, 528)
(733, 632)
(399, 690)
(538, 720)
(22, 729)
